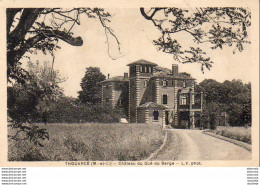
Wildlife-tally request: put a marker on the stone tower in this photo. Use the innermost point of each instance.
(140, 73)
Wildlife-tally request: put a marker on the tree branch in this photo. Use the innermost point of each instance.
(10, 14)
(151, 16)
(27, 19)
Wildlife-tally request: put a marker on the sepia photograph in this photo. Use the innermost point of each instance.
(122, 85)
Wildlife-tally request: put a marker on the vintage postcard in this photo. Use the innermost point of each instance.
(129, 84)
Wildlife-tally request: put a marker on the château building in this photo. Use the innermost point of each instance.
(152, 94)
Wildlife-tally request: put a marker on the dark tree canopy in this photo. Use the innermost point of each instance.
(91, 88)
(217, 26)
(232, 97)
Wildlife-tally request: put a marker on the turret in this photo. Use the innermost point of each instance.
(141, 68)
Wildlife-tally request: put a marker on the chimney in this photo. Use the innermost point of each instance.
(108, 76)
(125, 76)
(175, 69)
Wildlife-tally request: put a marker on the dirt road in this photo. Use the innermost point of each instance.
(184, 144)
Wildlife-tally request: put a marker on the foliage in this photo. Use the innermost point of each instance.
(238, 133)
(221, 26)
(69, 110)
(32, 29)
(90, 142)
(91, 88)
(211, 114)
(232, 98)
(31, 100)
(39, 29)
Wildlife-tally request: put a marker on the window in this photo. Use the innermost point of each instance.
(141, 69)
(145, 69)
(156, 115)
(183, 100)
(133, 69)
(145, 83)
(165, 99)
(193, 99)
(184, 84)
(120, 102)
(164, 83)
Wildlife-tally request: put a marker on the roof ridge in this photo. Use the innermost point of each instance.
(142, 62)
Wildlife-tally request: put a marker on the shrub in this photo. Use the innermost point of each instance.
(68, 110)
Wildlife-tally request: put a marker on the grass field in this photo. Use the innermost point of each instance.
(238, 133)
(81, 142)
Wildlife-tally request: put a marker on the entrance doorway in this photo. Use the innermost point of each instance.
(166, 117)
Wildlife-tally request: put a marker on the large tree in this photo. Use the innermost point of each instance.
(39, 29)
(30, 29)
(219, 27)
(90, 85)
(30, 101)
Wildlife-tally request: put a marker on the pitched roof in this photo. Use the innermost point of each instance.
(160, 74)
(116, 79)
(164, 73)
(165, 70)
(180, 75)
(152, 105)
(142, 62)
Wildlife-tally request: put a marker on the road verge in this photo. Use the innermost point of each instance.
(239, 143)
(154, 154)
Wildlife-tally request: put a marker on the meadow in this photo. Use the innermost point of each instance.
(238, 133)
(90, 142)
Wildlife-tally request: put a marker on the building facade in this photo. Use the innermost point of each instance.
(152, 94)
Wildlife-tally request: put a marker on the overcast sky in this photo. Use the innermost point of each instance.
(136, 35)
